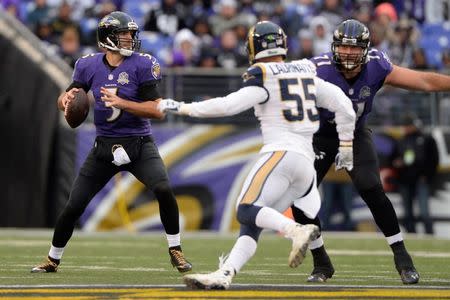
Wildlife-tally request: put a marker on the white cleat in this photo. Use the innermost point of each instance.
(218, 280)
(301, 236)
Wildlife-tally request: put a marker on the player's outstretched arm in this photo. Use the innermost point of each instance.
(229, 105)
(331, 97)
(170, 106)
(418, 80)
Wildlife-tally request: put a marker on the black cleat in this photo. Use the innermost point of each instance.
(319, 277)
(405, 268)
(47, 266)
(409, 276)
(321, 273)
(177, 259)
(323, 268)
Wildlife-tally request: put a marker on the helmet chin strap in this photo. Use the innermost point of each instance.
(113, 47)
(125, 52)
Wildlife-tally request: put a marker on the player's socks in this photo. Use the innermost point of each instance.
(55, 253)
(243, 250)
(173, 239)
(269, 218)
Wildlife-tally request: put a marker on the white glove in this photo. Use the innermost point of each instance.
(169, 105)
(344, 158)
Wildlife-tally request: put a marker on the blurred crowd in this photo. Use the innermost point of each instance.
(414, 33)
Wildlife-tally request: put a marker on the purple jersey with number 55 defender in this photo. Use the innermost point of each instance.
(93, 72)
(361, 91)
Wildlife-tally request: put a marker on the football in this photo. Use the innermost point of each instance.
(77, 109)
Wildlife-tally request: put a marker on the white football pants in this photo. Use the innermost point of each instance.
(280, 179)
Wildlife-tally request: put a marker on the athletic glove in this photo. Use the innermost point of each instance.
(344, 158)
(169, 105)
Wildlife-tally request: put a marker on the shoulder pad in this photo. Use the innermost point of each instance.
(148, 64)
(321, 60)
(83, 61)
(255, 75)
(90, 56)
(309, 63)
(379, 58)
(146, 58)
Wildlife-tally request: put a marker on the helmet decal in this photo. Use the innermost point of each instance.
(265, 39)
(109, 29)
(354, 34)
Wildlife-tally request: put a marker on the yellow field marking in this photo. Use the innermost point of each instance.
(157, 293)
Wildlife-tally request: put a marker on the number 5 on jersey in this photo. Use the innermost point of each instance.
(116, 112)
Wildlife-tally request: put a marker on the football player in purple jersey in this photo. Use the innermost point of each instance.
(124, 84)
(360, 72)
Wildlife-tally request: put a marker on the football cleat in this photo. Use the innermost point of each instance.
(47, 266)
(323, 268)
(218, 280)
(409, 276)
(317, 277)
(301, 236)
(406, 269)
(177, 259)
(320, 274)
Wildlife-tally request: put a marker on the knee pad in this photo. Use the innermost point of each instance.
(251, 231)
(246, 213)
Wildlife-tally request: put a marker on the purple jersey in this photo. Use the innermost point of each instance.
(124, 80)
(361, 89)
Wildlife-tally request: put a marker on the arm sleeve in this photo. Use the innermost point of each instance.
(229, 105)
(148, 91)
(78, 85)
(333, 98)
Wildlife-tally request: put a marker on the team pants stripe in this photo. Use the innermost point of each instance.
(256, 185)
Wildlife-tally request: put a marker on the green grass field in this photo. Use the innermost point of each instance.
(116, 261)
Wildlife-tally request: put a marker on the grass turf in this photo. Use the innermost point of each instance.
(142, 259)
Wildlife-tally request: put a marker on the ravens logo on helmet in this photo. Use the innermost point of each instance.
(350, 33)
(108, 30)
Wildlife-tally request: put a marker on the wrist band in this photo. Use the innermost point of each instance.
(345, 143)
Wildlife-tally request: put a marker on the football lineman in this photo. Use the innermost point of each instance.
(124, 84)
(360, 72)
(286, 98)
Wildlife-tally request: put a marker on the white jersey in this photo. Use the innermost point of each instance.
(285, 97)
(289, 116)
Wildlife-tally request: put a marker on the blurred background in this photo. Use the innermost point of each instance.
(201, 48)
